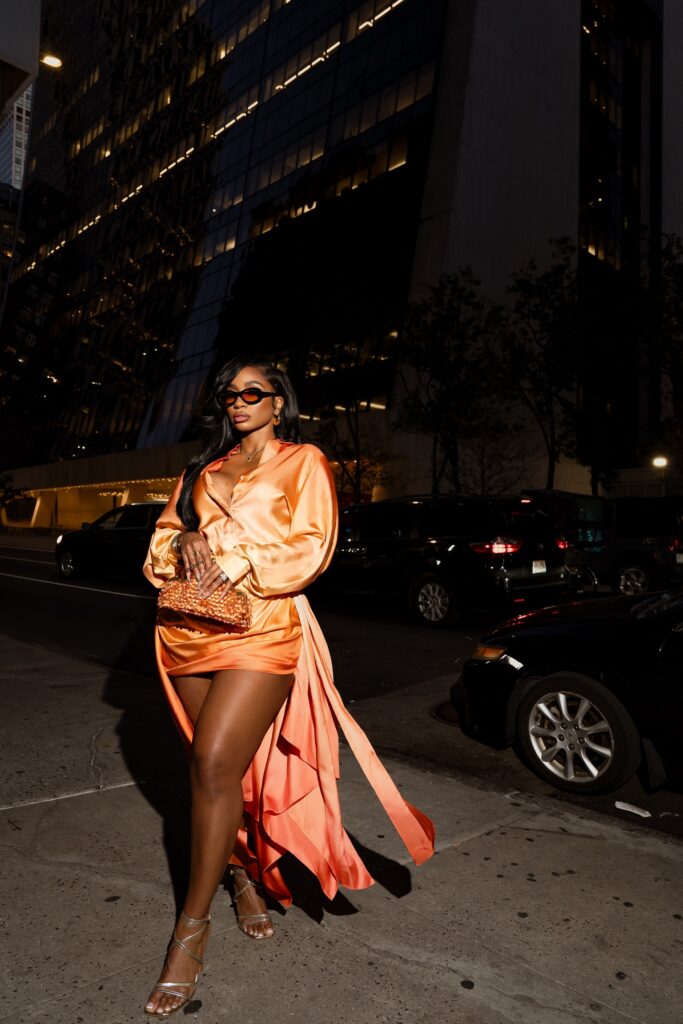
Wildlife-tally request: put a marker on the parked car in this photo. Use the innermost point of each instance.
(632, 544)
(442, 555)
(585, 692)
(113, 545)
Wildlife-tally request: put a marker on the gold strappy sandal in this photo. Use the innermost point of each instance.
(171, 988)
(242, 919)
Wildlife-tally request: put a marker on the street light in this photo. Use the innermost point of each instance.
(660, 462)
(51, 60)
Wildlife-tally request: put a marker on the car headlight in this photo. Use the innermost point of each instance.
(485, 652)
(59, 539)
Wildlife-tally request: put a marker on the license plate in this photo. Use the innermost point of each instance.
(679, 557)
(538, 565)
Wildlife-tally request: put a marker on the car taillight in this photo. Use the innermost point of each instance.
(676, 544)
(497, 546)
(562, 543)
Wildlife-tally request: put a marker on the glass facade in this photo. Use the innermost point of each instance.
(620, 129)
(14, 134)
(206, 177)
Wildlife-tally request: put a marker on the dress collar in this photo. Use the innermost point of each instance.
(272, 447)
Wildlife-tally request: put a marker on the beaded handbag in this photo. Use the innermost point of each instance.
(233, 609)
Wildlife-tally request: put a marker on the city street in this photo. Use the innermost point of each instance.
(531, 912)
(379, 655)
(377, 302)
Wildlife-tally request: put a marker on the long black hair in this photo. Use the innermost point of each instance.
(219, 436)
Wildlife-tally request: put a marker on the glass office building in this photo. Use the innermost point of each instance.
(207, 177)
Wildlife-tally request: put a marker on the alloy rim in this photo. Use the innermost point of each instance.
(632, 581)
(571, 737)
(433, 602)
(66, 564)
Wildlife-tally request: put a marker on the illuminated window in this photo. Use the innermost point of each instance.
(299, 155)
(241, 31)
(394, 97)
(367, 15)
(234, 112)
(197, 70)
(303, 61)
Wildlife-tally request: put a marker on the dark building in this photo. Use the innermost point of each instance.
(9, 205)
(620, 214)
(232, 175)
(206, 177)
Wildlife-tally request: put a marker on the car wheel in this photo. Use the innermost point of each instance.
(66, 564)
(433, 601)
(575, 734)
(630, 580)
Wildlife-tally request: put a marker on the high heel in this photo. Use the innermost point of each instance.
(170, 987)
(242, 919)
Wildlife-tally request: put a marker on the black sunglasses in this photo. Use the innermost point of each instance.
(250, 396)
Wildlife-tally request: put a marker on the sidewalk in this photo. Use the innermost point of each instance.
(527, 914)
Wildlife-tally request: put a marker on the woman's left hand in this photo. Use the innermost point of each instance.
(214, 579)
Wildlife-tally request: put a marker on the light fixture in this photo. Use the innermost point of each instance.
(660, 461)
(51, 60)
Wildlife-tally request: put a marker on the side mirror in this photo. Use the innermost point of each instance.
(86, 526)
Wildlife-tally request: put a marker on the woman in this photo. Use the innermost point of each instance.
(257, 708)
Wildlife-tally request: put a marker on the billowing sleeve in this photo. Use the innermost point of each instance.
(161, 561)
(288, 566)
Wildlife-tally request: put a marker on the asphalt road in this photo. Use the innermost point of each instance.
(376, 649)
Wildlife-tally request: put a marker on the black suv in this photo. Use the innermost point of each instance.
(449, 553)
(114, 545)
(632, 544)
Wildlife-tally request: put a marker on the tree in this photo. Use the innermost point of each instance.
(543, 349)
(441, 356)
(8, 493)
(356, 374)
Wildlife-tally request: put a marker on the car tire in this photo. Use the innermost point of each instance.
(631, 579)
(433, 601)
(67, 567)
(576, 735)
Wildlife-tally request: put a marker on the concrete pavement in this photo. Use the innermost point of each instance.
(529, 912)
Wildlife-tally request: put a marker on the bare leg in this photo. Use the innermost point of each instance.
(237, 709)
(192, 691)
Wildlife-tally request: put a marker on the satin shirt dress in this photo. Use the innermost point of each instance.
(273, 536)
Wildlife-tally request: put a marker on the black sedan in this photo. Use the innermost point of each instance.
(586, 693)
(113, 545)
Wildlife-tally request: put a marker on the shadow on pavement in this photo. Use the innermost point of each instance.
(152, 749)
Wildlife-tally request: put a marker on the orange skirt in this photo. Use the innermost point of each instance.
(290, 787)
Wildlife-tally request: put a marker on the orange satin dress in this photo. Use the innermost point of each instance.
(276, 534)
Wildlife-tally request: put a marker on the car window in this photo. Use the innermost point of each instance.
(455, 518)
(109, 520)
(383, 522)
(134, 517)
(348, 524)
(517, 519)
(155, 512)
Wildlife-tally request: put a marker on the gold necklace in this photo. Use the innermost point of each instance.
(253, 454)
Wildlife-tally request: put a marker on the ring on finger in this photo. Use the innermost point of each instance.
(223, 577)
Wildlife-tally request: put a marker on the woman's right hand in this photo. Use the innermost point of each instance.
(196, 553)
